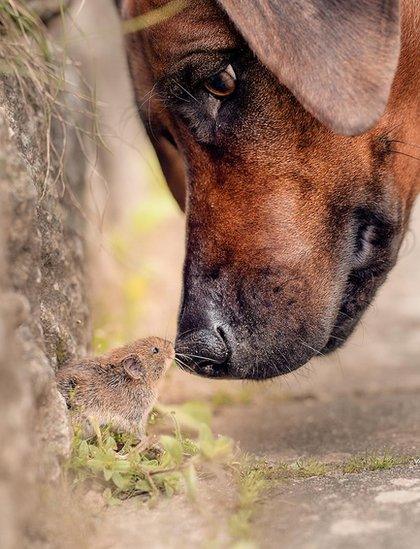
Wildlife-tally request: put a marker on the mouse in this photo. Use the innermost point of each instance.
(118, 388)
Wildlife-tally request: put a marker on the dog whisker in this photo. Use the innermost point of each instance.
(319, 353)
(415, 145)
(184, 365)
(196, 356)
(405, 154)
(184, 89)
(185, 332)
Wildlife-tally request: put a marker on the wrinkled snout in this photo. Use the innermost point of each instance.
(245, 327)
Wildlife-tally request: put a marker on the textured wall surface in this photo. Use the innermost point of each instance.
(44, 315)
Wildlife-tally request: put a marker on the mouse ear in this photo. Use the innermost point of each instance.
(132, 366)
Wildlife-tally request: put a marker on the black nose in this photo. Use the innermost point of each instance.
(203, 351)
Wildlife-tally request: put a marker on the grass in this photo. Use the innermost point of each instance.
(375, 462)
(116, 467)
(177, 464)
(254, 478)
(155, 16)
(307, 468)
(34, 70)
(252, 484)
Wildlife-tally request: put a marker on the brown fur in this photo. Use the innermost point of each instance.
(118, 388)
(276, 197)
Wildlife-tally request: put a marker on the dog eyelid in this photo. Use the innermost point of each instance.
(222, 84)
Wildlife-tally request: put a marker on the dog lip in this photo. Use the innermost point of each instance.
(208, 369)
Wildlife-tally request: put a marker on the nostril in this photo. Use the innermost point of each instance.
(203, 347)
(223, 337)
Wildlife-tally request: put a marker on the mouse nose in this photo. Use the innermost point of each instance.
(203, 351)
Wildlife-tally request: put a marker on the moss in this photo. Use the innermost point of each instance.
(62, 352)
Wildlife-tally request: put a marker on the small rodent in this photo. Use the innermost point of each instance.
(118, 388)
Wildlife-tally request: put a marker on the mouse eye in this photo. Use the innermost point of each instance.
(221, 84)
(155, 350)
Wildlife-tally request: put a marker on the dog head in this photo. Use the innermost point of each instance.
(274, 115)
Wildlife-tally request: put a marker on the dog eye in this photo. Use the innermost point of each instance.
(221, 84)
(373, 234)
(364, 242)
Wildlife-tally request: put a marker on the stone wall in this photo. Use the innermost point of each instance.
(44, 314)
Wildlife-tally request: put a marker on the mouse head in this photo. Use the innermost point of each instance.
(146, 359)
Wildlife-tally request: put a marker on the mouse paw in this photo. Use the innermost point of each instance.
(143, 445)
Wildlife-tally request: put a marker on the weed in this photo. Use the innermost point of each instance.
(155, 16)
(306, 468)
(374, 462)
(114, 461)
(252, 482)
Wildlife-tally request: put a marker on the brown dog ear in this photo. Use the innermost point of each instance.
(338, 57)
(133, 366)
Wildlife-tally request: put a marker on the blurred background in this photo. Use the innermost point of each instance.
(136, 231)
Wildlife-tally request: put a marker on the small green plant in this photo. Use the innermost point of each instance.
(116, 463)
(374, 462)
(251, 483)
(306, 468)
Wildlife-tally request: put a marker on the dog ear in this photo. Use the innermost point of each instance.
(133, 366)
(338, 57)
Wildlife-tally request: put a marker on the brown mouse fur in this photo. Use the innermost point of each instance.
(118, 388)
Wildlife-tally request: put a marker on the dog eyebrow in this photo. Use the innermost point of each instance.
(182, 61)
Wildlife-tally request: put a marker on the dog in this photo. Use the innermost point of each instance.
(288, 131)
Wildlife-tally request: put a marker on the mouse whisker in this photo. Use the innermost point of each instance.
(196, 356)
(186, 366)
